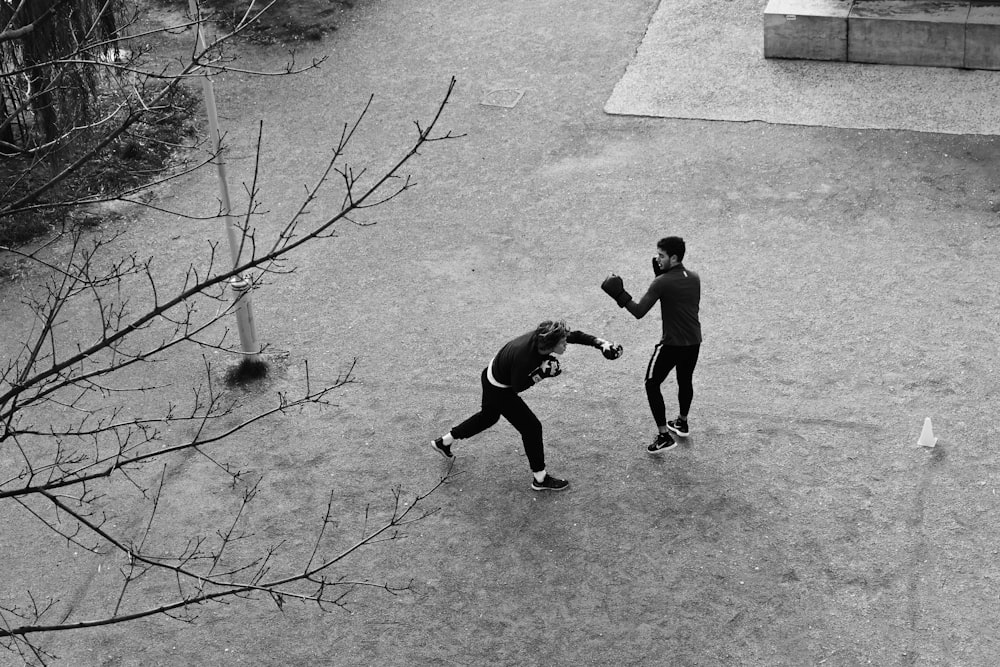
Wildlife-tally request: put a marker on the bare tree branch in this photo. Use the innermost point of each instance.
(65, 464)
(79, 455)
(211, 589)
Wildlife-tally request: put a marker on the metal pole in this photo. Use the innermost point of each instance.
(241, 285)
(244, 318)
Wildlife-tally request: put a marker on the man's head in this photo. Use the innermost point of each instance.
(670, 251)
(551, 337)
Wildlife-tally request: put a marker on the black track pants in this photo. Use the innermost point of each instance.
(665, 358)
(506, 403)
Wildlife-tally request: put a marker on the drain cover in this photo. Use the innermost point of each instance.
(502, 97)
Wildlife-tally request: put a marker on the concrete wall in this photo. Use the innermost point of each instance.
(935, 33)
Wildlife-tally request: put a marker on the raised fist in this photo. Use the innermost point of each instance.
(611, 350)
(615, 288)
(548, 369)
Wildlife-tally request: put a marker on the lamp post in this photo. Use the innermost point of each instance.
(240, 285)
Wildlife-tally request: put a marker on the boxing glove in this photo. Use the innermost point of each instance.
(615, 288)
(610, 350)
(548, 369)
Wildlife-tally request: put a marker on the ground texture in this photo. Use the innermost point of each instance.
(849, 292)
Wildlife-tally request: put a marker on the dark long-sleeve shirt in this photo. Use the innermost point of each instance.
(512, 366)
(679, 292)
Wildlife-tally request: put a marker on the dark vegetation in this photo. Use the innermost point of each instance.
(141, 155)
(287, 22)
(136, 157)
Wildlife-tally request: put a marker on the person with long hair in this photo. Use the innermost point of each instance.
(522, 363)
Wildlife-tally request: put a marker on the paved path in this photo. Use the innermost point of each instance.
(704, 60)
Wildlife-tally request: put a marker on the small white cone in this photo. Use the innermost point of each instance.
(927, 438)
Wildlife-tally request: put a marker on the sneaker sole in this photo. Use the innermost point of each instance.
(680, 434)
(548, 488)
(435, 448)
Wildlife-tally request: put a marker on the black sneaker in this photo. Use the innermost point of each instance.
(679, 426)
(444, 450)
(662, 443)
(550, 483)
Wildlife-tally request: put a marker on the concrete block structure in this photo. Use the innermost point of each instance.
(982, 36)
(808, 29)
(934, 33)
(904, 32)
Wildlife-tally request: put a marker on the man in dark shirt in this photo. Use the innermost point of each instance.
(678, 290)
(520, 364)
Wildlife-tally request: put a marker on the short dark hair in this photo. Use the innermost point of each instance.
(672, 245)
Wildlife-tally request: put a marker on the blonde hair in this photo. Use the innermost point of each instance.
(549, 333)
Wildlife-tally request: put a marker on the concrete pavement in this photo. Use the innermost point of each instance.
(704, 60)
(848, 294)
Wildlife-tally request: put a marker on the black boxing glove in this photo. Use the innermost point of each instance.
(611, 350)
(548, 369)
(615, 288)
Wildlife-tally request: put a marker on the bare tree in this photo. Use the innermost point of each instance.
(81, 87)
(73, 444)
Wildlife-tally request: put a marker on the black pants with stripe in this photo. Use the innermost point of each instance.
(665, 358)
(506, 403)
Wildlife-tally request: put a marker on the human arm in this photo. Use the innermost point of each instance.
(644, 304)
(615, 288)
(608, 349)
